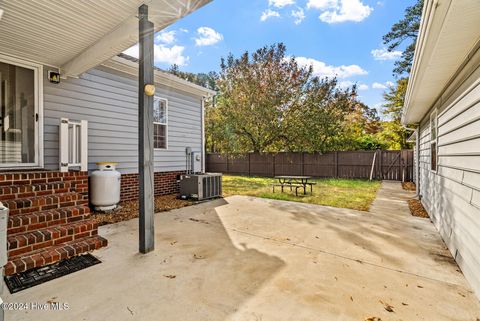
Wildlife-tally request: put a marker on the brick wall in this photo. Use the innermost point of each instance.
(164, 183)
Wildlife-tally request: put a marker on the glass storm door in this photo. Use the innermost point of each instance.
(18, 116)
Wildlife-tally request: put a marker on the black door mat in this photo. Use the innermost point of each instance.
(36, 276)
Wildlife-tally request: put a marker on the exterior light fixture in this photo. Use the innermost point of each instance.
(149, 90)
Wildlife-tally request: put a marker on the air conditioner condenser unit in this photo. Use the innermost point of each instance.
(201, 186)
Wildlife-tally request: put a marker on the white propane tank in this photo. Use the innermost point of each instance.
(105, 187)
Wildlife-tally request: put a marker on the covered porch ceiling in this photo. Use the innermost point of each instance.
(76, 36)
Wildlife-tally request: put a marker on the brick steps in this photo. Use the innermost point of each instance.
(37, 220)
(49, 218)
(21, 243)
(45, 202)
(10, 192)
(53, 254)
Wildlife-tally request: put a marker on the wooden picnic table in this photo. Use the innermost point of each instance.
(294, 181)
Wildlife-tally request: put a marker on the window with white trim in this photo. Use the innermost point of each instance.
(160, 123)
(433, 140)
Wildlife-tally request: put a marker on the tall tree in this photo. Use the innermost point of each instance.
(258, 95)
(393, 132)
(405, 31)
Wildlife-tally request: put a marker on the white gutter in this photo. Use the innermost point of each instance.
(425, 24)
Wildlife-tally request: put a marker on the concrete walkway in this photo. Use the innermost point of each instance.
(244, 258)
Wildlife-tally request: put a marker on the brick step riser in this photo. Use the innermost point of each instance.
(19, 223)
(33, 190)
(48, 203)
(31, 178)
(32, 226)
(54, 254)
(21, 244)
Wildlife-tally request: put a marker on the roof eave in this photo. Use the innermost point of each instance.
(161, 77)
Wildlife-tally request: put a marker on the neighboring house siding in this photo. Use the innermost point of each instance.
(452, 194)
(108, 101)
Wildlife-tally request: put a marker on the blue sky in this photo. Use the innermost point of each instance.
(338, 37)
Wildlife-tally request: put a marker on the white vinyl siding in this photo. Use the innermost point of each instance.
(451, 195)
(108, 101)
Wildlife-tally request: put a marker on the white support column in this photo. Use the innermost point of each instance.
(63, 145)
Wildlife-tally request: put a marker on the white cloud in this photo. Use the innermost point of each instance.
(384, 54)
(347, 84)
(183, 30)
(269, 14)
(321, 69)
(335, 11)
(299, 15)
(362, 87)
(163, 54)
(377, 85)
(167, 37)
(207, 36)
(322, 4)
(280, 3)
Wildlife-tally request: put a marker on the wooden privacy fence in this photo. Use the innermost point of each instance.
(389, 165)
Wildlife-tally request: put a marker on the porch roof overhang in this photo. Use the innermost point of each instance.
(76, 36)
(129, 65)
(449, 30)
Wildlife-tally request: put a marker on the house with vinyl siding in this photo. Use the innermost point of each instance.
(69, 98)
(443, 103)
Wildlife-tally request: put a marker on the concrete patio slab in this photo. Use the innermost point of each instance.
(244, 258)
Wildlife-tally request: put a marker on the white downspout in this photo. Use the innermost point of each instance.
(417, 159)
(203, 134)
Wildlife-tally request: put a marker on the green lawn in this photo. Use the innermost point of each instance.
(356, 194)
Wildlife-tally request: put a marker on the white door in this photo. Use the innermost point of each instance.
(19, 114)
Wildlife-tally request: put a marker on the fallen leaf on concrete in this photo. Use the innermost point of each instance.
(198, 257)
(198, 221)
(131, 312)
(351, 298)
(461, 294)
(173, 243)
(373, 319)
(52, 300)
(403, 303)
(336, 279)
(387, 306)
(419, 286)
(170, 276)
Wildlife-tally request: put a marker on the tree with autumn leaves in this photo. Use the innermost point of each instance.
(267, 102)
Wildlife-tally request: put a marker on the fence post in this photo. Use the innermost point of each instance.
(226, 157)
(336, 164)
(381, 164)
(303, 163)
(274, 165)
(249, 173)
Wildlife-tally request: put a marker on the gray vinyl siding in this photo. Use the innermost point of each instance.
(452, 194)
(108, 101)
